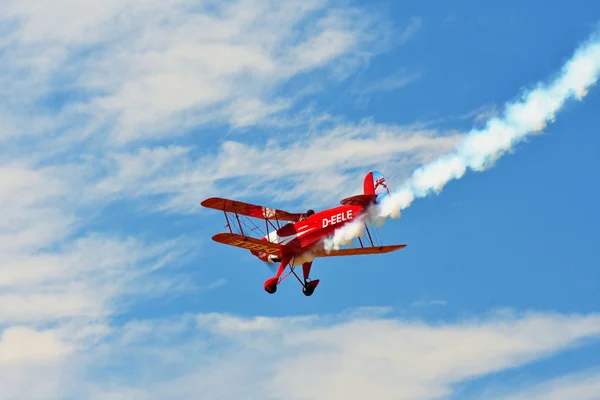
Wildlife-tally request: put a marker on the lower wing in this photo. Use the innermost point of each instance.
(360, 250)
(249, 243)
(263, 246)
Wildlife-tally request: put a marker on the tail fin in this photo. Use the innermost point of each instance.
(374, 184)
(375, 189)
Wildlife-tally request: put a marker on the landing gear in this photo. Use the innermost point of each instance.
(271, 285)
(308, 286)
(272, 288)
(308, 290)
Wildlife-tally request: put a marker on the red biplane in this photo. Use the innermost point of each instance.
(302, 238)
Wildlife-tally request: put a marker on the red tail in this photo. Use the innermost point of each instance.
(374, 189)
(369, 184)
(374, 184)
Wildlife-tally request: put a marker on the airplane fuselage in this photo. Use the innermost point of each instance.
(303, 235)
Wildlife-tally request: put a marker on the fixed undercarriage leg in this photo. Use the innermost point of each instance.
(271, 283)
(309, 286)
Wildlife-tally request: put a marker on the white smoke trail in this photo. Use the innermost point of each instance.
(481, 148)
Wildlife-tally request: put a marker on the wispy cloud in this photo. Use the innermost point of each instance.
(85, 93)
(81, 280)
(76, 81)
(329, 155)
(349, 356)
(21, 345)
(582, 386)
(395, 81)
(429, 303)
(134, 71)
(411, 29)
(216, 284)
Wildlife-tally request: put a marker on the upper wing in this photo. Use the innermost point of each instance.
(249, 243)
(250, 210)
(360, 250)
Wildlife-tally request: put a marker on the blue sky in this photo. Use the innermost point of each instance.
(118, 118)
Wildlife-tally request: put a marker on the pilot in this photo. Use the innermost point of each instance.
(308, 214)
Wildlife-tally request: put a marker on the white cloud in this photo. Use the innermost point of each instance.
(322, 357)
(392, 82)
(49, 271)
(216, 284)
(77, 78)
(116, 72)
(113, 70)
(22, 344)
(584, 386)
(132, 172)
(429, 303)
(81, 280)
(151, 69)
(320, 165)
(32, 217)
(413, 27)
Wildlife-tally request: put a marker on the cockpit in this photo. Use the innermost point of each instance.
(308, 214)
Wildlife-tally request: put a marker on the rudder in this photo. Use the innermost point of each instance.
(374, 184)
(374, 190)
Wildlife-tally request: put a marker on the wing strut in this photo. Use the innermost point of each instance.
(239, 223)
(228, 223)
(369, 233)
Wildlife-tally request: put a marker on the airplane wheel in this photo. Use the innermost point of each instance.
(271, 288)
(308, 291)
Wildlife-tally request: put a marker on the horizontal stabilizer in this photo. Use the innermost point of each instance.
(360, 199)
(355, 251)
(249, 243)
